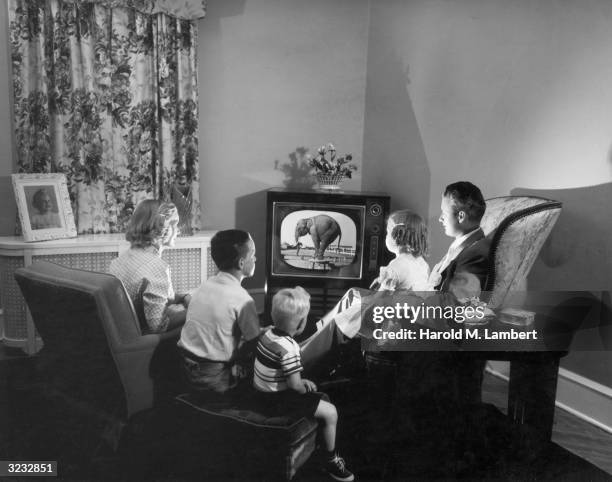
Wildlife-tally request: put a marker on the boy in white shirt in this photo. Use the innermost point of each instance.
(221, 318)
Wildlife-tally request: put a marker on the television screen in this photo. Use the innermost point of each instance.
(317, 240)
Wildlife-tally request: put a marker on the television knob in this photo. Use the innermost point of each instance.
(376, 209)
(375, 229)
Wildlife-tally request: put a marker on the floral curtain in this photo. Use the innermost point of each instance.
(106, 92)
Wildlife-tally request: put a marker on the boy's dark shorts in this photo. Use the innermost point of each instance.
(288, 403)
(207, 375)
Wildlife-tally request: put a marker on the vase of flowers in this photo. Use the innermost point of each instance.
(331, 170)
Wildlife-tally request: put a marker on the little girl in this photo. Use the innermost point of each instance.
(407, 240)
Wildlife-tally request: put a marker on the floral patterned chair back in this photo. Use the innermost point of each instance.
(518, 227)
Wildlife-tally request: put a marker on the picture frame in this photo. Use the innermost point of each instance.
(44, 208)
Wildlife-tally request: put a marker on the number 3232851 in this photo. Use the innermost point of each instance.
(16, 468)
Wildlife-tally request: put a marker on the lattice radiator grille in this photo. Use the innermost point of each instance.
(87, 261)
(11, 299)
(186, 264)
(211, 267)
(184, 268)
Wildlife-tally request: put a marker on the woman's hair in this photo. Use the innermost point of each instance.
(37, 198)
(150, 223)
(289, 307)
(409, 232)
(227, 247)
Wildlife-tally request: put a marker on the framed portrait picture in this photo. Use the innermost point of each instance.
(44, 206)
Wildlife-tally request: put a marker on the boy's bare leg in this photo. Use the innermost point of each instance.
(328, 414)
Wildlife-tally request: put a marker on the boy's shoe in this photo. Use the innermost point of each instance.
(336, 469)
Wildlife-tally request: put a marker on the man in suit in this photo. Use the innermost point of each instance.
(463, 270)
(441, 385)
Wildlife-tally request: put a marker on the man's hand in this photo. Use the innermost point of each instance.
(464, 286)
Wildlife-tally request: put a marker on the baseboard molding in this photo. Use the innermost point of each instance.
(499, 369)
(588, 400)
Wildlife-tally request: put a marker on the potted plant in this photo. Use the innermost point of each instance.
(330, 169)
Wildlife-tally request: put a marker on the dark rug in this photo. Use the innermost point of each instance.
(478, 444)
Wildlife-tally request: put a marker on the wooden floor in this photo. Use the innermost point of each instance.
(579, 437)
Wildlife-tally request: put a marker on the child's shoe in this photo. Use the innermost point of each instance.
(336, 469)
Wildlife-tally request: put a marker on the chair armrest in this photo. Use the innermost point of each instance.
(140, 361)
(175, 333)
(150, 341)
(145, 343)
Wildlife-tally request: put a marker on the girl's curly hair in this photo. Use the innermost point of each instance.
(410, 232)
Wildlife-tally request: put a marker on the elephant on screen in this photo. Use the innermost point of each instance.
(323, 230)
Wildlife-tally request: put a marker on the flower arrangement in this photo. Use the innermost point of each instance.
(327, 163)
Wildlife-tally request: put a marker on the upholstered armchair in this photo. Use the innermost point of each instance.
(95, 358)
(518, 227)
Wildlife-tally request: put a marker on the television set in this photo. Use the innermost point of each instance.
(325, 242)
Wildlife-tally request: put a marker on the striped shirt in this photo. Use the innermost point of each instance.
(277, 357)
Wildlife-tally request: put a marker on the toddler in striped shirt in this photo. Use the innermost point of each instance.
(280, 388)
